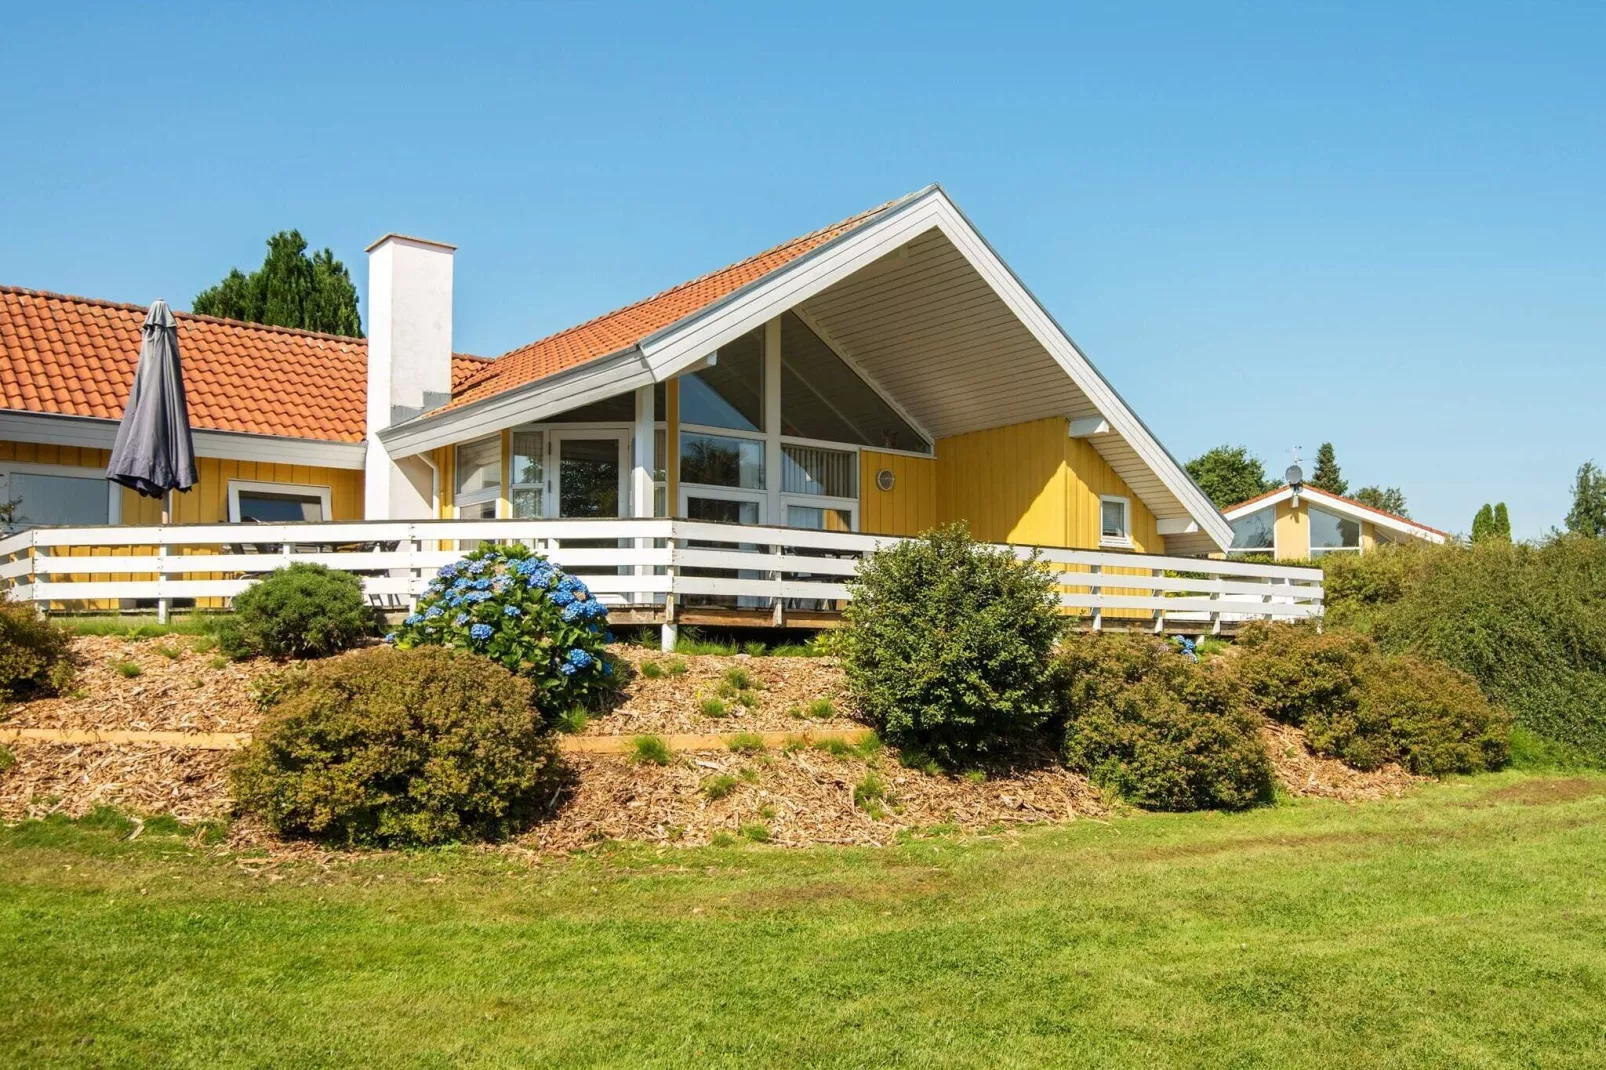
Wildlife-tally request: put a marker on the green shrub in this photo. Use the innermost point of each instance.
(508, 604)
(303, 611)
(391, 747)
(1159, 729)
(947, 645)
(1286, 672)
(1528, 622)
(33, 654)
(1357, 704)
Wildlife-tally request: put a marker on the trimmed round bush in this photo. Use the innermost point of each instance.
(388, 747)
(1158, 729)
(529, 616)
(302, 611)
(1287, 672)
(948, 645)
(33, 653)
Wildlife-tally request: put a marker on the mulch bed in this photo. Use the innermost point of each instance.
(798, 796)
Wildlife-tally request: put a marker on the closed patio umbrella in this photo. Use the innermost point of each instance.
(154, 452)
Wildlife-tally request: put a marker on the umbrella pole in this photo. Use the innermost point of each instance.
(161, 603)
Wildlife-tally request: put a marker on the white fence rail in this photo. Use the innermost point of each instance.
(672, 564)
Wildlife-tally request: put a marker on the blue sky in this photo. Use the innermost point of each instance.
(1383, 225)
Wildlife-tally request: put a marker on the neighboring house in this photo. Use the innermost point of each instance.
(1300, 523)
(884, 374)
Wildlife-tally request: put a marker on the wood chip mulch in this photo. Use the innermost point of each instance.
(671, 704)
(58, 778)
(798, 798)
(1304, 773)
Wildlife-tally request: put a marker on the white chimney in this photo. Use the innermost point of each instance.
(409, 364)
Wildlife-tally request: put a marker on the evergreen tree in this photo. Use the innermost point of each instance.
(1483, 523)
(1229, 475)
(1388, 499)
(1588, 514)
(1327, 476)
(1502, 522)
(290, 289)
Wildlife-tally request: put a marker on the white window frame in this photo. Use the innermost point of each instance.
(1312, 551)
(728, 494)
(553, 471)
(308, 490)
(495, 492)
(114, 496)
(820, 501)
(715, 432)
(1124, 540)
(1274, 549)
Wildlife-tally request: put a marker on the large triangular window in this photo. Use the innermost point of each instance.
(823, 398)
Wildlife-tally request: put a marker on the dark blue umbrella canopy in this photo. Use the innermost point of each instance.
(155, 452)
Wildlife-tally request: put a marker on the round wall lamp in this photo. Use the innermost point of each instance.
(885, 479)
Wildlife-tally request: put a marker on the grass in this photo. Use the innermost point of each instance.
(652, 670)
(130, 669)
(170, 651)
(649, 750)
(676, 667)
(718, 786)
(573, 720)
(1459, 927)
(139, 627)
(712, 707)
(740, 679)
(7, 759)
(746, 743)
(821, 709)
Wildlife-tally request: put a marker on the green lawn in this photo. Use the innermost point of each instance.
(1463, 927)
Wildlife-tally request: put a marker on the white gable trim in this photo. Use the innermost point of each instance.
(1334, 504)
(670, 349)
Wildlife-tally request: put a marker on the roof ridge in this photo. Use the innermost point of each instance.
(124, 306)
(1308, 488)
(850, 221)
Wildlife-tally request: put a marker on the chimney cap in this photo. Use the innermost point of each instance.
(393, 236)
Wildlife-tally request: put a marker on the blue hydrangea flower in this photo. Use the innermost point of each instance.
(580, 658)
(391, 637)
(566, 669)
(447, 571)
(561, 597)
(573, 611)
(512, 611)
(482, 584)
(413, 618)
(476, 567)
(478, 596)
(480, 632)
(433, 612)
(460, 620)
(607, 668)
(595, 609)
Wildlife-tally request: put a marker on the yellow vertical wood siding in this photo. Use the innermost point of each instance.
(910, 507)
(1292, 531)
(1007, 483)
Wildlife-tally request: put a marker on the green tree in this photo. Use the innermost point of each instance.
(1502, 522)
(1388, 499)
(1229, 475)
(1588, 514)
(1327, 476)
(1483, 523)
(290, 289)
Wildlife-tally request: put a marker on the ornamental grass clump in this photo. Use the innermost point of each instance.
(948, 645)
(511, 605)
(390, 747)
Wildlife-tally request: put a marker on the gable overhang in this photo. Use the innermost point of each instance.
(92, 433)
(1335, 504)
(976, 385)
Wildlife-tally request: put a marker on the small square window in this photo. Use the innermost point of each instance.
(1113, 529)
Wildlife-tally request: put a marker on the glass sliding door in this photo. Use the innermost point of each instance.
(589, 472)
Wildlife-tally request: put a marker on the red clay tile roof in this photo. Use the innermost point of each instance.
(465, 366)
(625, 327)
(75, 356)
(1319, 492)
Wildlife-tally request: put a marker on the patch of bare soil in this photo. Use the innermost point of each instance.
(177, 689)
(61, 778)
(795, 798)
(1303, 772)
(1549, 792)
(783, 692)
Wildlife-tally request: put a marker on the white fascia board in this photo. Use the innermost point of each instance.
(669, 350)
(1333, 504)
(91, 433)
(595, 380)
(1176, 525)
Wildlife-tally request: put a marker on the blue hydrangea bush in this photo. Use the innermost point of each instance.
(513, 606)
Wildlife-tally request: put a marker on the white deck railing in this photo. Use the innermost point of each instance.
(670, 564)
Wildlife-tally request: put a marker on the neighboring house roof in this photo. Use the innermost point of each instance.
(625, 327)
(1339, 504)
(75, 356)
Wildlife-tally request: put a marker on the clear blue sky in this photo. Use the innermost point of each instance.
(1383, 225)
